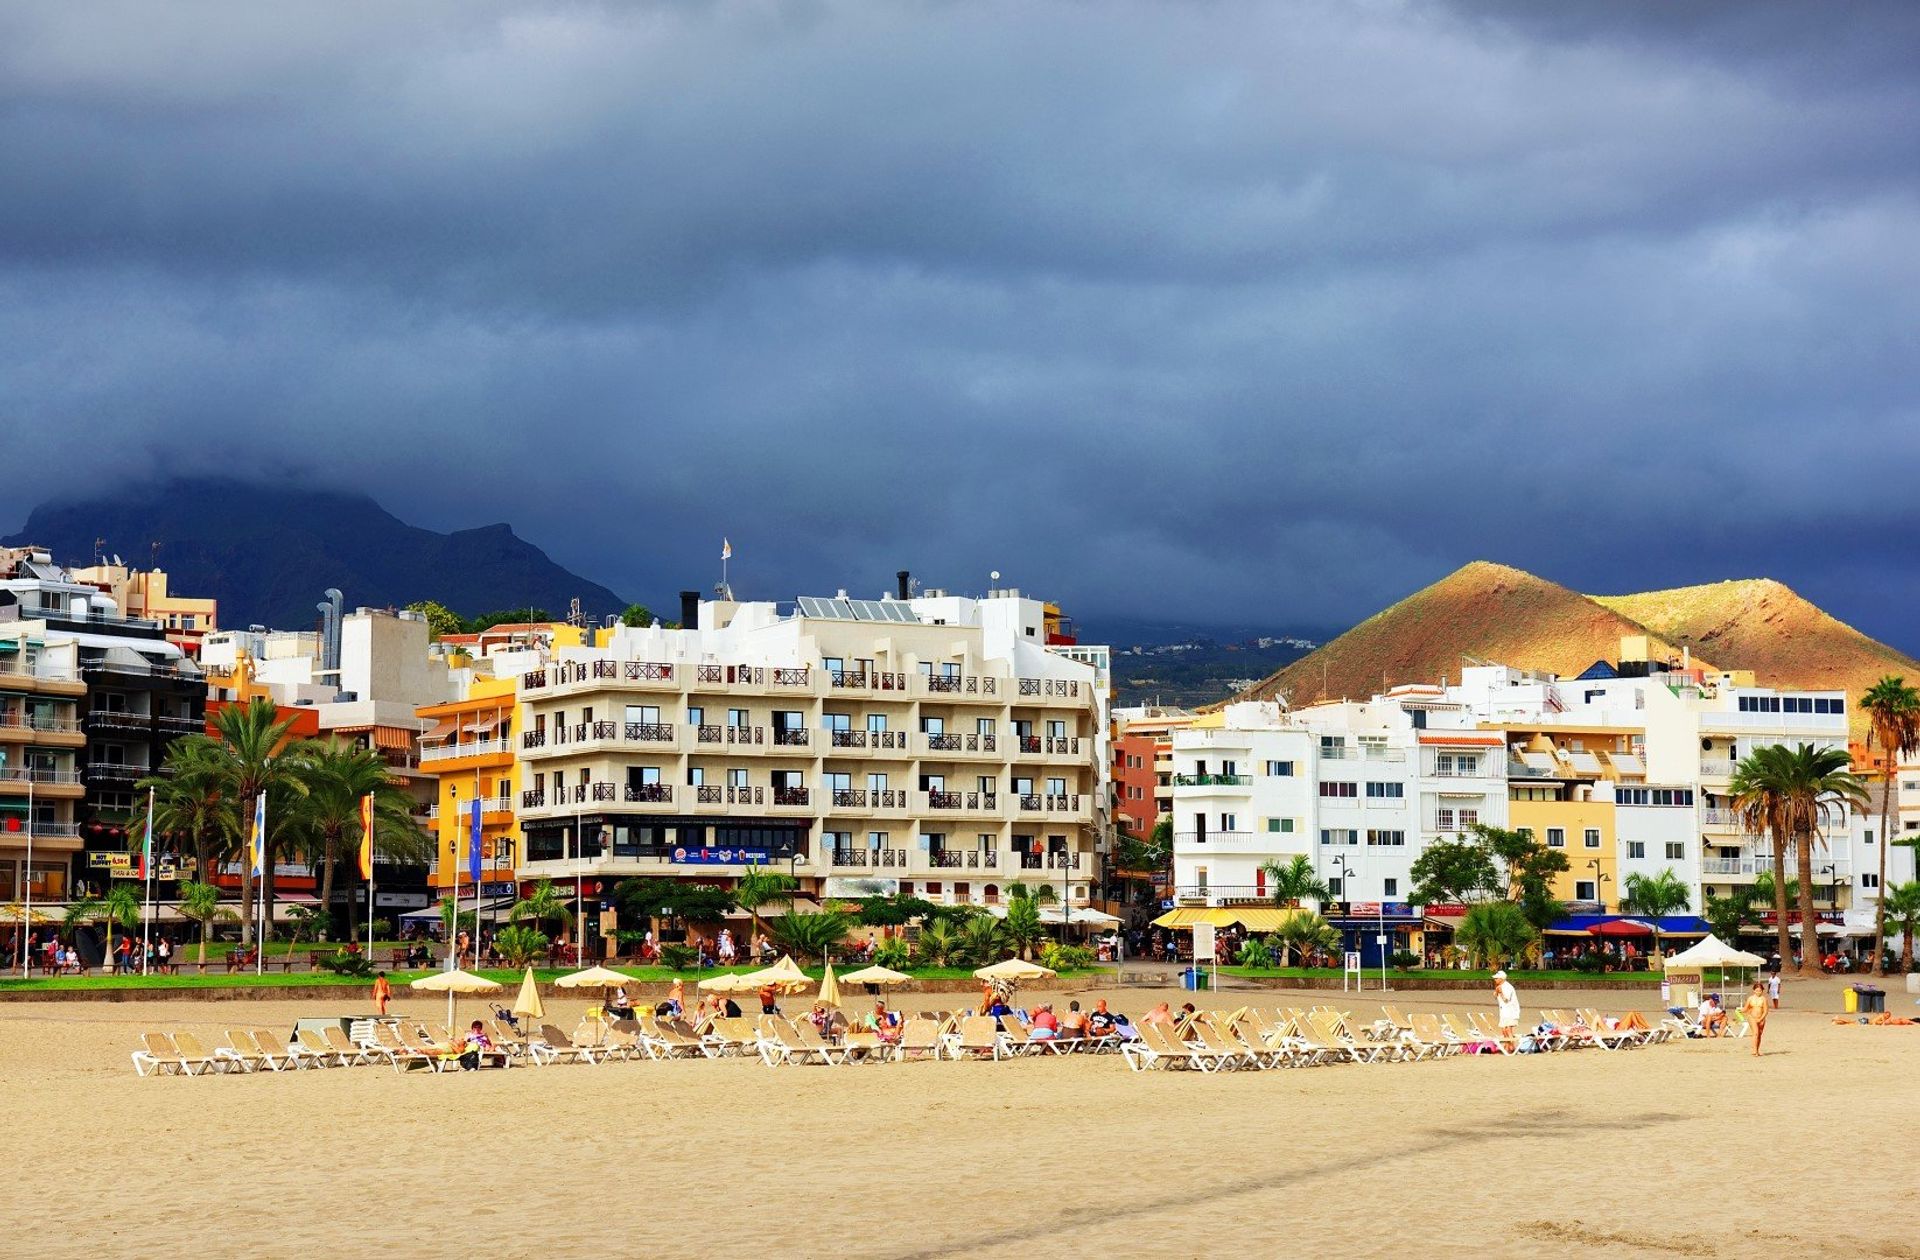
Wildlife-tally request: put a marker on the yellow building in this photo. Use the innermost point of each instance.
(1582, 830)
(470, 747)
(143, 593)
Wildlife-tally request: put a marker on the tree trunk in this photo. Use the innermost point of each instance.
(266, 894)
(1906, 954)
(1809, 924)
(1880, 890)
(246, 873)
(202, 858)
(1785, 938)
(326, 887)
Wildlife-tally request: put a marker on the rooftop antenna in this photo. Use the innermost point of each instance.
(99, 547)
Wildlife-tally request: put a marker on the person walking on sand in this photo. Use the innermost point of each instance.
(1755, 1009)
(1508, 1003)
(1773, 989)
(382, 992)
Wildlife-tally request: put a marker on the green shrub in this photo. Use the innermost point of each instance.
(893, 952)
(345, 964)
(520, 945)
(678, 955)
(1066, 957)
(1404, 959)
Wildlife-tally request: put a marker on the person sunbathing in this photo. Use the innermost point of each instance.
(1075, 1022)
(1101, 1021)
(1712, 1019)
(1158, 1015)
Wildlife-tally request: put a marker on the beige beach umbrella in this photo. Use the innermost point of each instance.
(528, 1002)
(1014, 971)
(451, 983)
(829, 988)
(875, 975)
(784, 975)
(730, 982)
(595, 977)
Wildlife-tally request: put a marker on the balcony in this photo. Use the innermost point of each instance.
(1064, 688)
(847, 739)
(793, 796)
(16, 721)
(1212, 780)
(708, 733)
(972, 801)
(870, 859)
(473, 748)
(1028, 743)
(747, 736)
(113, 772)
(1237, 841)
(887, 741)
(1721, 819)
(790, 737)
(648, 732)
(964, 859)
(1063, 803)
(943, 743)
(784, 677)
(534, 738)
(118, 720)
(181, 725)
(849, 798)
(939, 684)
(1716, 769)
(531, 799)
(746, 794)
(649, 793)
(1049, 861)
(646, 671)
(861, 680)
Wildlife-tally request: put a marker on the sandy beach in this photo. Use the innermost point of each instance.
(1692, 1148)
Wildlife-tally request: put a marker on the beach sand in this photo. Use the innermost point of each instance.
(1693, 1149)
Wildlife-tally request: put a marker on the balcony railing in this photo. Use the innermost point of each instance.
(1720, 817)
(943, 743)
(49, 725)
(1049, 861)
(118, 720)
(1212, 780)
(1716, 768)
(887, 739)
(746, 794)
(746, 734)
(25, 774)
(472, 748)
(964, 859)
(791, 796)
(1068, 745)
(1030, 743)
(114, 772)
(708, 733)
(1029, 801)
(943, 682)
(181, 725)
(531, 799)
(534, 739)
(710, 794)
(1062, 687)
(847, 739)
(784, 677)
(790, 737)
(891, 858)
(1063, 803)
(977, 742)
(649, 793)
(861, 679)
(649, 732)
(647, 671)
(849, 798)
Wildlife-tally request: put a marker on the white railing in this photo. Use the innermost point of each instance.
(478, 748)
(1716, 769)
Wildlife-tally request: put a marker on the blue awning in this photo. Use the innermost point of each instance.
(1669, 924)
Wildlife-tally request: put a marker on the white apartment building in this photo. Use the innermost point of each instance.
(931, 745)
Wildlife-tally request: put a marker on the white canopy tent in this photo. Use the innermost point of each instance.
(1711, 951)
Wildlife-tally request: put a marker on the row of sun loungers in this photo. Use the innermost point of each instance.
(1250, 1038)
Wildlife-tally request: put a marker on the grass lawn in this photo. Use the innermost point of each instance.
(321, 979)
(1518, 977)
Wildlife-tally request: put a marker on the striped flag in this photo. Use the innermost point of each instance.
(259, 834)
(726, 550)
(366, 836)
(473, 845)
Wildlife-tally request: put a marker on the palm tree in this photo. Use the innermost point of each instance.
(188, 801)
(1495, 931)
(200, 902)
(810, 935)
(545, 904)
(251, 738)
(982, 937)
(1306, 932)
(758, 887)
(1791, 794)
(1656, 896)
(1901, 905)
(339, 775)
(1893, 723)
(940, 943)
(1295, 882)
(119, 908)
(1022, 927)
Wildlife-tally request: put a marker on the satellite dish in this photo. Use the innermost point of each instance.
(995, 575)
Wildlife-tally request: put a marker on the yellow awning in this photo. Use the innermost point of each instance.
(1252, 918)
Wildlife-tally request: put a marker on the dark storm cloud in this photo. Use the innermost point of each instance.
(1246, 313)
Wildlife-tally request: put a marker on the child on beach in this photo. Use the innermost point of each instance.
(1773, 989)
(1755, 1009)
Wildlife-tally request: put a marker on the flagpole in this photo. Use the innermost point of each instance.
(370, 809)
(473, 857)
(146, 867)
(260, 877)
(26, 915)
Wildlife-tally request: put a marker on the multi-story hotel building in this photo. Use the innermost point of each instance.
(932, 744)
(41, 695)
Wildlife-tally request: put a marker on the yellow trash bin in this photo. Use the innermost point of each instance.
(1850, 1000)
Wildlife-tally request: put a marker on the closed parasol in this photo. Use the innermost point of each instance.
(528, 1002)
(829, 988)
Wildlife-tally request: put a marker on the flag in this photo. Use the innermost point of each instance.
(366, 836)
(146, 846)
(473, 845)
(259, 834)
(726, 550)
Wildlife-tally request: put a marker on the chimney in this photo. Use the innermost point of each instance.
(904, 589)
(690, 610)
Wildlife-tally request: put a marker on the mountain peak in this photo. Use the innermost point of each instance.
(266, 552)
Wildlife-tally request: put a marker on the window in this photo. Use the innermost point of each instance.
(1556, 837)
(1525, 831)
(1866, 837)
(1636, 848)
(696, 715)
(1386, 791)
(696, 775)
(1869, 880)
(1591, 838)
(1281, 825)
(876, 723)
(1284, 770)
(1200, 879)
(1229, 769)
(1227, 822)
(736, 717)
(1335, 788)
(1468, 818)
(1443, 819)
(1387, 839)
(1456, 765)
(1392, 888)
(736, 777)
(1336, 886)
(1652, 796)
(1676, 851)
(1585, 890)
(1339, 836)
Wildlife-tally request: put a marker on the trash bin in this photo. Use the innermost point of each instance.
(1193, 978)
(1873, 1000)
(1850, 1000)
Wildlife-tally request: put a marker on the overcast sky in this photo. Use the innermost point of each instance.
(1221, 311)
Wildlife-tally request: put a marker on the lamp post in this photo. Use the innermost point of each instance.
(1340, 860)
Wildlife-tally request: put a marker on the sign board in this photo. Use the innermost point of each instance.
(1350, 970)
(723, 857)
(118, 863)
(498, 888)
(856, 887)
(1203, 943)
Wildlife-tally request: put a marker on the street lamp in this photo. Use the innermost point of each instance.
(1346, 877)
